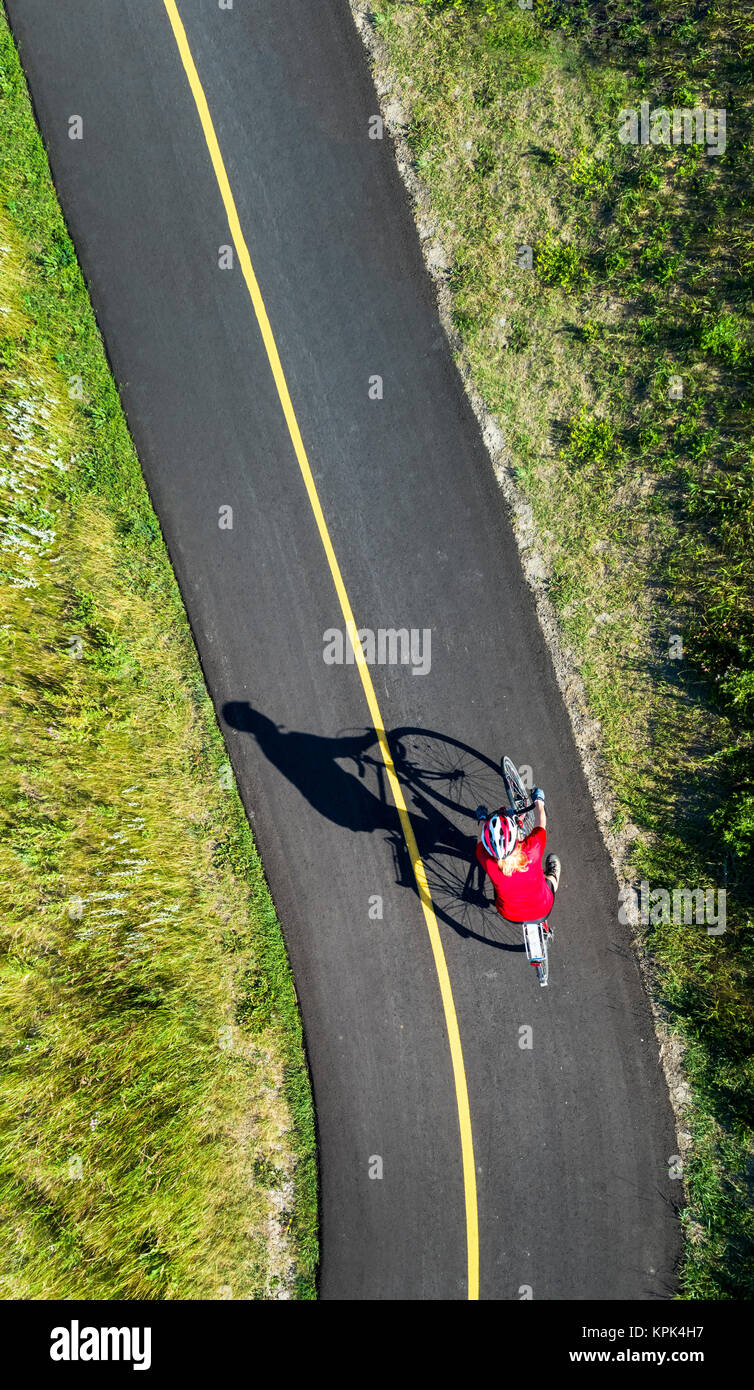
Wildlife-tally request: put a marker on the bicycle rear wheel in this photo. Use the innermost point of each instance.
(543, 968)
(517, 794)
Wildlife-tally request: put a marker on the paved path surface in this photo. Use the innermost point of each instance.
(571, 1135)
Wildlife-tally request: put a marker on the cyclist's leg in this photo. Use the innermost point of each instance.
(552, 871)
(552, 879)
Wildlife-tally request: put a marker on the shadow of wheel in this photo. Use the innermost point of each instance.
(443, 781)
(454, 775)
(462, 898)
(439, 771)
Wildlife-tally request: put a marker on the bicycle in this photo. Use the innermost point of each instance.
(536, 934)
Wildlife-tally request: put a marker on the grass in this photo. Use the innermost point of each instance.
(618, 355)
(157, 1119)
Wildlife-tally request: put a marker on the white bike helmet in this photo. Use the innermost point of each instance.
(499, 836)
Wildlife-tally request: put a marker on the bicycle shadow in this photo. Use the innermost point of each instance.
(442, 779)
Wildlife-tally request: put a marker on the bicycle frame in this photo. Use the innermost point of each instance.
(535, 936)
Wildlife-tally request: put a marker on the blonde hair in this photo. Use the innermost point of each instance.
(513, 862)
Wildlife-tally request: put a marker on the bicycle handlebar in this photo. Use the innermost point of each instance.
(511, 811)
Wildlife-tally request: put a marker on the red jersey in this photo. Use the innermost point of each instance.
(524, 896)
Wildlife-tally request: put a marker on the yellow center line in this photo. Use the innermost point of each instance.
(451, 1021)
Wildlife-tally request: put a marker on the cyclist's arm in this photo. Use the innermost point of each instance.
(540, 816)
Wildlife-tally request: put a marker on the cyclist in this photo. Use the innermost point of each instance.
(524, 892)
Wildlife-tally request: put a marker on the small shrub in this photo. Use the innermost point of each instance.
(558, 263)
(256, 1003)
(591, 442)
(593, 175)
(724, 339)
(519, 335)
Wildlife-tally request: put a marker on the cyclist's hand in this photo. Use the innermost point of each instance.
(538, 795)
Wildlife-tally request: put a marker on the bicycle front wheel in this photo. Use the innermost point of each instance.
(517, 794)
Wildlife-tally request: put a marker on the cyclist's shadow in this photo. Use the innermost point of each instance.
(359, 802)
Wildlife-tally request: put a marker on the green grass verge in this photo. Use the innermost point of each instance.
(157, 1118)
(641, 273)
